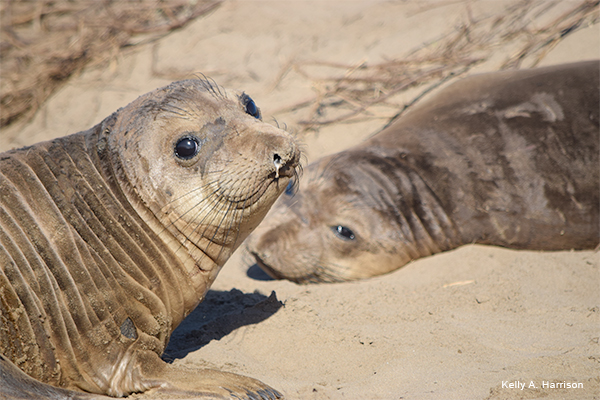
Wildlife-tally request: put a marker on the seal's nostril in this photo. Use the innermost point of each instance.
(278, 164)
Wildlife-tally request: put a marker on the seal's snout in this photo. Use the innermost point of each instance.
(285, 156)
(277, 163)
(285, 167)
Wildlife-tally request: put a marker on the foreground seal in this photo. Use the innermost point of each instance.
(110, 237)
(506, 158)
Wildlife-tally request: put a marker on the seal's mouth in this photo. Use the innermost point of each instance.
(283, 172)
(242, 202)
(302, 279)
(267, 268)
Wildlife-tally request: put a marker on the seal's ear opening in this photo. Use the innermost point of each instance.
(250, 106)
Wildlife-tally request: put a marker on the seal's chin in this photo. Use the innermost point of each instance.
(314, 277)
(265, 267)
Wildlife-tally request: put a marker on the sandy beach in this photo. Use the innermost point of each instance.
(473, 323)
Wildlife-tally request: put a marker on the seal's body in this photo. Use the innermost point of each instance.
(110, 237)
(507, 158)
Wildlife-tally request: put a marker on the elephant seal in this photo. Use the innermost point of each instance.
(507, 158)
(110, 237)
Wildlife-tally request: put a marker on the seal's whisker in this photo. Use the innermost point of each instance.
(173, 109)
(211, 86)
(207, 199)
(332, 272)
(319, 272)
(244, 207)
(189, 193)
(207, 203)
(222, 206)
(217, 195)
(218, 192)
(224, 240)
(228, 229)
(193, 191)
(232, 223)
(294, 184)
(248, 193)
(208, 209)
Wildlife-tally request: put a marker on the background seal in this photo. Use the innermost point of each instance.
(507, 158)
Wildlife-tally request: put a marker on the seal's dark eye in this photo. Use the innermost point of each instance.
(343, 233)
(250, 106)
(186, 148)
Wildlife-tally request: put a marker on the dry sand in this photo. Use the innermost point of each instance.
(459, 325)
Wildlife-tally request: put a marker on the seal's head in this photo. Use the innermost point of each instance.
(200, 167)
(338, 225)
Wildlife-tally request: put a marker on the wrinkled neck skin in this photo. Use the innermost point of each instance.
(122, 290)
(180, 302)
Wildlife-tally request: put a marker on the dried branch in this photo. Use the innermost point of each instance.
(43, 43)
(359, 87)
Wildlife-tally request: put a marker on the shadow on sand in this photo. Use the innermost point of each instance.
(218, 315)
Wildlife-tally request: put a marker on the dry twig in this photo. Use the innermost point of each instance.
(44, 42)
(363, 86)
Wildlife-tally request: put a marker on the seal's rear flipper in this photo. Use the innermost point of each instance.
(16, 384)
(183, 384)
(186, 383)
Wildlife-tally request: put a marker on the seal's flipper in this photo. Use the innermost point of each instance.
(182, 384)
(16, 384)
(186, 383)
